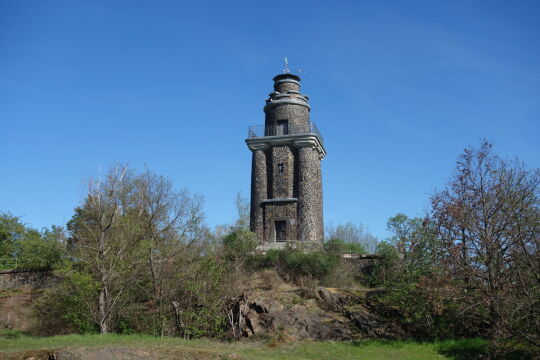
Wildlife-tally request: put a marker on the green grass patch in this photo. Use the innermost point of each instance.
(13, 342)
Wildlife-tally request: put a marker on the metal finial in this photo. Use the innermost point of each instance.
(286, 70)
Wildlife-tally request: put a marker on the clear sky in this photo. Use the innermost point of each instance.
(398, 89)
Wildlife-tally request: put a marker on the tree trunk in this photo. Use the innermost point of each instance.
(103, 311)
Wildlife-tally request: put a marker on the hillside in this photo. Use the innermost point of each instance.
(268, 307)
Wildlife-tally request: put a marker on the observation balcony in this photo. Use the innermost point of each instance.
(262, 137)
(278, 129)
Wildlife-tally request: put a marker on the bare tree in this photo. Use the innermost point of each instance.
(353, 233)
(242, 207)
(173, 221)
(489, 221)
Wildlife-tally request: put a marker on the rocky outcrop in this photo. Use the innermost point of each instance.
(264, 317)
(364, 311)
(282, 309)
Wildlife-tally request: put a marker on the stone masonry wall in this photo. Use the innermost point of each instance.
(281, 172)
(310, 223)
(280, 211)
(297, 115)
(258, 191)
(284, 86)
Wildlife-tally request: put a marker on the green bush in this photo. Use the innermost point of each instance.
(67, 307)
(202, 294)
(239, 244)
(295, 264)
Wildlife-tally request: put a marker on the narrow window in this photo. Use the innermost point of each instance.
(281, 167)
(281, 230)
(282, 127)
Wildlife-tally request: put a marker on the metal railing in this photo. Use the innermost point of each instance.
(345, 250)
(277, 130)
(290, 245)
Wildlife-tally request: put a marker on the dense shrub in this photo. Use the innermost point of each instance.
(67, 307)
(202, 294)
(239, 244)
(295, 264)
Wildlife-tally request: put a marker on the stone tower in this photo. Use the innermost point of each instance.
(286, 184)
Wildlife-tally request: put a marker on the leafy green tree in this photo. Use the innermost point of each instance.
(107, 237)
(134, 234)
(406, 269)
(415, 242)
(43, 251)
(23, 247)
(11, 231)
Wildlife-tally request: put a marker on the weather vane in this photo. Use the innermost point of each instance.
(287, 70)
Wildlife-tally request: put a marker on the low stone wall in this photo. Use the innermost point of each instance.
(16, 279)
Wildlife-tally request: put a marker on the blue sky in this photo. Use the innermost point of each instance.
(398, 89)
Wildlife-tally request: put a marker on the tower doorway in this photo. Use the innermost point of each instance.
(280, 230)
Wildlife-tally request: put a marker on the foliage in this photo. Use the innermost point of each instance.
(409, 270)
(295, 264)
(387, 267)
(143, 261)
(131, 233)
(239, 244)
(67, 307)
(202, 295)
(488, 220)
(23, 247)
(42, 251)
(11, 232)
(470, 267)
(409, 254)
(402, 291)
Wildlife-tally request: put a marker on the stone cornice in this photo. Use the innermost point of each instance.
(297, 140)
(273, 103)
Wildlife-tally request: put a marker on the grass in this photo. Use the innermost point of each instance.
(12, 342)
(10, 292)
